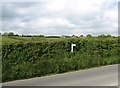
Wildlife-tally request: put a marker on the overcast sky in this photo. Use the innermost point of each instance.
(61, 17)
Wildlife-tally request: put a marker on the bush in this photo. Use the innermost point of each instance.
(34, 59)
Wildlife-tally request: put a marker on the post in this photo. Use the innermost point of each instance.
(72, 45)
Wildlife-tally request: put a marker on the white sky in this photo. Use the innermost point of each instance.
(60, 17)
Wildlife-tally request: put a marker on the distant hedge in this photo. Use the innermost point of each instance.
(27, 60)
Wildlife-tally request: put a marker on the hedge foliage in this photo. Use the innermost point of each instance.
(26, 60)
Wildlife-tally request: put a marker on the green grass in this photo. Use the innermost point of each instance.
(9, 40)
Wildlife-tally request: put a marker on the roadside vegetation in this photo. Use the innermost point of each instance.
(26, 57)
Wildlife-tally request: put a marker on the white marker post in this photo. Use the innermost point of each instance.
(72, 45)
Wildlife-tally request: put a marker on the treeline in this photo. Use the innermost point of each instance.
(63, 36)
(13, 34)
(8, 34)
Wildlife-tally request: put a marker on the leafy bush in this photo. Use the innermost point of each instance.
(23, 60)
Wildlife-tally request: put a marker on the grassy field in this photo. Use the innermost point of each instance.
(17, 39)
(9, 40)
(27, 57)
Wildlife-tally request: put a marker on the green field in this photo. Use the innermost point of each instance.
(28, 57)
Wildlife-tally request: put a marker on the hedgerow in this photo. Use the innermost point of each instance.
(24, 60)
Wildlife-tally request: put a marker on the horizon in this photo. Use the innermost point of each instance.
(55, 35)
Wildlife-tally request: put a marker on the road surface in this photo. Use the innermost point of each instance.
(102, 76)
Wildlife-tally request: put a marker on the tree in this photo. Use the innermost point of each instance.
(10, 34)
(81, 36)
(89, 36)
(101, 36)
(16, 35)
(108, 36)
(5, 34)
(40, 35)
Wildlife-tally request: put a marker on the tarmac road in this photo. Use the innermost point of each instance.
(101, 76)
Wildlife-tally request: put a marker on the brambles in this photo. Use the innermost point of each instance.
(37, 57)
